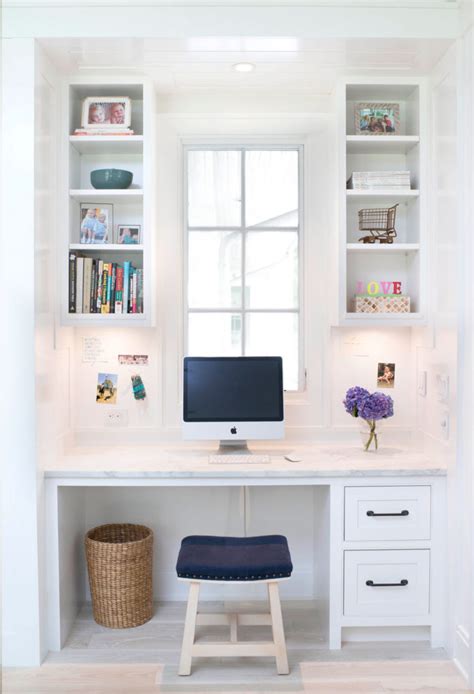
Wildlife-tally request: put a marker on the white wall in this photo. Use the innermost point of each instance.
(464, 634)
(35, 350)
(52, 343)
(442, 350)
(20, 594)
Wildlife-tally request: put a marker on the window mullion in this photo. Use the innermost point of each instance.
(244, 240)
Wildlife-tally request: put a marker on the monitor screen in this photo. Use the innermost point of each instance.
(233, 389)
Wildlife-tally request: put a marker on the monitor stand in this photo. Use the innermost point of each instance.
(228, 446)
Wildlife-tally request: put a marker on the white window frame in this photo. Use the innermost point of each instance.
(203, 146)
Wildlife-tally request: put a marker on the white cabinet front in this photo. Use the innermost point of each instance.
(387, 513)
(386, 583)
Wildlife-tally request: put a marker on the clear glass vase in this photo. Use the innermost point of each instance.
(369, 430)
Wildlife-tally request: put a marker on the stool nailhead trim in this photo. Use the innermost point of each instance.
(202, 577)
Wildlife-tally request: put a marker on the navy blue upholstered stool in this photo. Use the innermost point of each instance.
(208, 559)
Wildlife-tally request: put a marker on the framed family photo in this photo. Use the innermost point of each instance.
(106, 113)
(377, 119)
(97, 223)
(129, 234)
(385, 375)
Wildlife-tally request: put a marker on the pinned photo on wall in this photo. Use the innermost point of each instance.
(139, 392)
(133, 359)
(385, 375)
(106, 389)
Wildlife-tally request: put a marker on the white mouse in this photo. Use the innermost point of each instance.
(293, 457)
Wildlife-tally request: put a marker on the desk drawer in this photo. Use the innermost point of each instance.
(387, 513)
(386, 583)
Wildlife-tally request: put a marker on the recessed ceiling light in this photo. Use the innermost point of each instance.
(244, 67)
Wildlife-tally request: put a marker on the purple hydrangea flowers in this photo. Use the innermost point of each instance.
(360, 403)
(368, 406)
(354, 397)
(376, 406)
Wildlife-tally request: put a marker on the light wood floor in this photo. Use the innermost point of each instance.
(96, 660)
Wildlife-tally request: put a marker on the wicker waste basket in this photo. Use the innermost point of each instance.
(119, 562)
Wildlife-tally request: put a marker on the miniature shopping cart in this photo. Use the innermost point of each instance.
(380, 222)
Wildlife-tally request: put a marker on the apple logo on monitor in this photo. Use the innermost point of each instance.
(233, 430)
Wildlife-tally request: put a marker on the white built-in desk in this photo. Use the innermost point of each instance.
(380, 526)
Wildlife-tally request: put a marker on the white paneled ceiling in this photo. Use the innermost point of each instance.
(410, 4)
(282, 63)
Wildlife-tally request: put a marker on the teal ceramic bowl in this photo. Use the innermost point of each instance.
(108, 179)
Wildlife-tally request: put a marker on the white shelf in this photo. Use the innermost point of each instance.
(103, 318)
(379, 194)
(107, 144)
(383, 247)
(381, 144)
(382, 319)
(106, 247)
(94, 195)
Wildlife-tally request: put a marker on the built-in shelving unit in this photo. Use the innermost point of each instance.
(132, 206)
(404, 259)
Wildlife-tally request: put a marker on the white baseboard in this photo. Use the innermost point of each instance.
(369, 634)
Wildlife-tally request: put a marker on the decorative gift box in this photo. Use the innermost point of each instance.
(386, 303)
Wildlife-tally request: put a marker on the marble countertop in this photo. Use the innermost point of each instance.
(171, 460)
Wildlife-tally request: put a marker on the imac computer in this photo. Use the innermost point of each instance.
(233, 399)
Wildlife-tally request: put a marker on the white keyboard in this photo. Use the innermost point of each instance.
(238, 458)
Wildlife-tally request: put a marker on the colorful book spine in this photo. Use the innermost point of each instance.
(140, 291)
(109, 285)
(79, 284)
(126, 284)
(72, 283)
(86, 291)
(119, 290)
(100, 270)
(104, 308)
(112, 287)
(134, 292)
(130, 290)
(93, 287)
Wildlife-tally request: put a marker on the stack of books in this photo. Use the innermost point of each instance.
(102, 133)
(96, 286)
(380, 180)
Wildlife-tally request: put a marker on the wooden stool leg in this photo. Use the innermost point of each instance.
(277, 627)
(189, 629)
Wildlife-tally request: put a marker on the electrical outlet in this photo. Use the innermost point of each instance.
(116, 418)
(442, 387)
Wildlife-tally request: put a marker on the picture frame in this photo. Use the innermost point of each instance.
(386, 374)
(129, 234)
(376, 118)
(107, 113)
(96, 223)
(106, 389)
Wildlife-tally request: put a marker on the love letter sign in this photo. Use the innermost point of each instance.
(373, 287)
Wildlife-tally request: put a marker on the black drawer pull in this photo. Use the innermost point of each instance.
(403, 582)
(402, 513)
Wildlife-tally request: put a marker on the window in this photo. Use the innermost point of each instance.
(243, 224)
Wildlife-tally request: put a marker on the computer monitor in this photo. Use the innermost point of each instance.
(233, 399)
